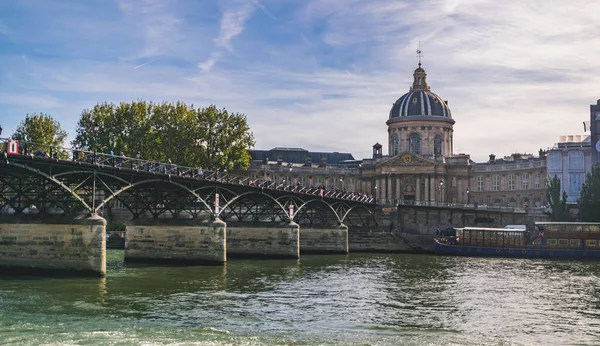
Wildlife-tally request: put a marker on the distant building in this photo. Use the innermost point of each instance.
(420, 166)
(594, 126)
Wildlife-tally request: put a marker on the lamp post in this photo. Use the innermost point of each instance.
(96, 129)
(290, 180)
(0, 130)
(468, 195)
(376, 193)
(441, 188)
(342, 183)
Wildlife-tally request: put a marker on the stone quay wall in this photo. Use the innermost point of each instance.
(177, 243)
(78, 246)
(324, 241)
(277, 241)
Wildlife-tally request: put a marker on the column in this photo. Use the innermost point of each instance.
(427, 183)
(418, 189)
(389, 188)
(398, 196)
(433, 189)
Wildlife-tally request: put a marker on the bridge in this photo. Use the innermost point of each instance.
(72, 181)
(50, 199)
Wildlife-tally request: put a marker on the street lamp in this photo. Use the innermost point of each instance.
(342, 183)
(468, 195)
(290, 180)
(96, 129)
(441, 188)
(0, 130)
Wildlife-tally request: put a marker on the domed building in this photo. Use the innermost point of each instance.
(420, 166)
(420, 122)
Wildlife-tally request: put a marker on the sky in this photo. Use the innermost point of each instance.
(316, 74)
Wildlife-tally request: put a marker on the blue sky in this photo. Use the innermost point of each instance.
(316, 74)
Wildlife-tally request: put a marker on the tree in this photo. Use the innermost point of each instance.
(42, 133)
(589, 202)
(222, 139)
(206, 137)
(558, 205)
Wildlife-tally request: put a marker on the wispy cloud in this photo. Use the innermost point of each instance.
(235, 14)
(323, 74)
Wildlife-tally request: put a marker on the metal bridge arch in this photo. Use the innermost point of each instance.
(322, 201)
(261, 193)
(57, 182)
(351, 208)
(116, 193)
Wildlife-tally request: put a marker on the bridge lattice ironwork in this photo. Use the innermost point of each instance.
(72, 182)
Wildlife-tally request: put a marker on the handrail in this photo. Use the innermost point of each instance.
(58, 154)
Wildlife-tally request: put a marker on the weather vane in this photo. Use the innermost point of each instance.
(419, 53)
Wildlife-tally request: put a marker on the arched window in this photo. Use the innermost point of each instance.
(437, 145)
(414, 143)
(395, 144)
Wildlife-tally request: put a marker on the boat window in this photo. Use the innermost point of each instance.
(551, 242)
(590, 243)
(563, 242)
(575, 242)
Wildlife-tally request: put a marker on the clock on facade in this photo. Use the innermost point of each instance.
(408, 159)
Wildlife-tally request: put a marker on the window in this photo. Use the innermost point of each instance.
(536, 181)
(480, 183)
(437, 145)
(395, 143)
(575, 182)
(554, 160)
(496, 183)
(511, 182)
(414, 143)
(512, 203)
(525, 181)
(454, 182)
(576, 160)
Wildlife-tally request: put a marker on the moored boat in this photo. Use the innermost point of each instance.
(547, 239)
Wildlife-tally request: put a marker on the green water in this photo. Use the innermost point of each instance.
(359, 299)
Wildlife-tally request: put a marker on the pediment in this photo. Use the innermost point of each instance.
(406, 159)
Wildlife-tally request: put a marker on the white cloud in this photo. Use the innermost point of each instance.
(235, 14)
(516, 75)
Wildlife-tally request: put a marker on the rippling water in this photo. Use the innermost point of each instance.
(359, 299)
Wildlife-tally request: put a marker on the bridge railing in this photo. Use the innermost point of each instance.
(45, 152)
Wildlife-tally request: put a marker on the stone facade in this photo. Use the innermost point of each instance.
(79, 246)
(275, 241)
(176, 243)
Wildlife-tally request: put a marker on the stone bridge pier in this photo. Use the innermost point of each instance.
(38, 245)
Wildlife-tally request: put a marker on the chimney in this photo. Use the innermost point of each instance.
(542, 153)
(516, 156)
(492, 158)
(279, 160)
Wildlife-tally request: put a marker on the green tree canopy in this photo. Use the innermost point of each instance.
(589, 202)
(41, 132)
(558, 205)
(206, 137)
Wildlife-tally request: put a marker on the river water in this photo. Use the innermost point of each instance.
(358, 299)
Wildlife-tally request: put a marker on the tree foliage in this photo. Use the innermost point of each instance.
(558, 205)
(41, 132)
(204, 137)
(589, 202)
